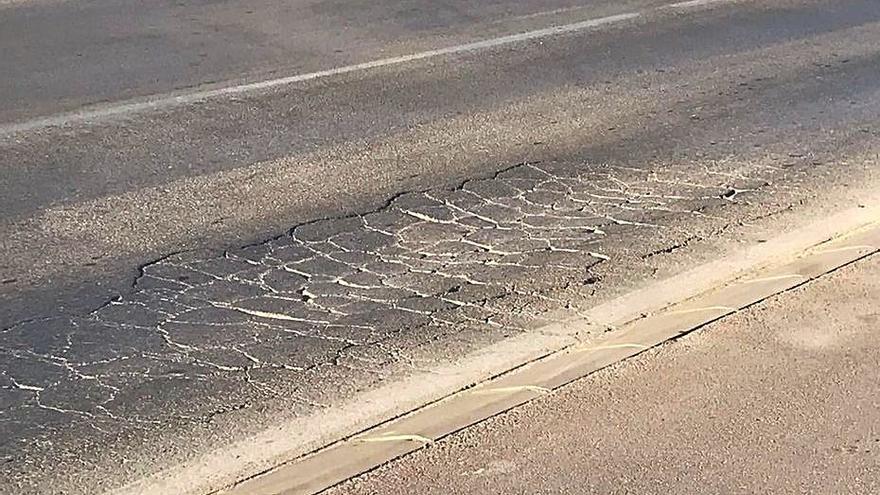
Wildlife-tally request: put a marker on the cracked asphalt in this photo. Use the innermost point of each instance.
(177, 280)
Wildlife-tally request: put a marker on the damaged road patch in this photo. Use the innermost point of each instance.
(343, 301)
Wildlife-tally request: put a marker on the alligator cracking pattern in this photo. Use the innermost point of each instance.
(332, 292)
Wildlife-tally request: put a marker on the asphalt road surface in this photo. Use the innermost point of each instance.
(781, 398)
(218, 215)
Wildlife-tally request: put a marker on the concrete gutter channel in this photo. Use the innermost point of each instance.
(642, 320)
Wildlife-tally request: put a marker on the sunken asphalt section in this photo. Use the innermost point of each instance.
(206, 346)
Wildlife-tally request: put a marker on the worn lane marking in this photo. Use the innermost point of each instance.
(168, 101)
(693, 3)
(100, 113)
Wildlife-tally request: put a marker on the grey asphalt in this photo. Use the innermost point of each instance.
(178, 278)
(780, 398)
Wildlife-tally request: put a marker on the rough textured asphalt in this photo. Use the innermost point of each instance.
(471, 196)
(780, 398)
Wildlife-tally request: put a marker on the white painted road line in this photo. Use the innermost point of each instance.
(98, 114)
(690, 4)
(168, 101)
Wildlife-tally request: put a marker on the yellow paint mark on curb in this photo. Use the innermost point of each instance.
(700, 310)
(772, 279)
(608, 347)
(510, 390)
(844, 248)
(395, 438)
